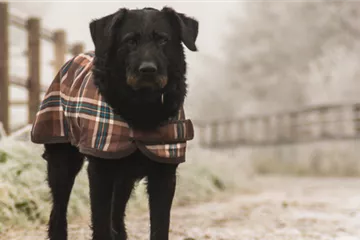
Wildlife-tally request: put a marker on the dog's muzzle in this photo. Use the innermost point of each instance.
(158, 82)
(147, 76)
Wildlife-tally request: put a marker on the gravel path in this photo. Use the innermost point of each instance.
(279, 208)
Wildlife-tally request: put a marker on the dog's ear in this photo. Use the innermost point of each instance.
(188, 27)
(102, 30)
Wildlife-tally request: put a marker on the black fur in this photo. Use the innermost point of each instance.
(111, 64)
(124, 41)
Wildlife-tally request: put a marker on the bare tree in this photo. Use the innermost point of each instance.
(273, 51)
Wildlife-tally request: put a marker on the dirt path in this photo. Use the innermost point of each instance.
(281, 208)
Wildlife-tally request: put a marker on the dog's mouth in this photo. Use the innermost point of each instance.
(147, 82)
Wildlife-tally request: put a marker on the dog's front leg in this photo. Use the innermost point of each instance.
(121, 195)
(101, 181)
(63, 164)
(161, 190)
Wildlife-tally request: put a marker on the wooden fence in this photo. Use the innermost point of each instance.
(305, 125)
(35, 33)
(330, 122)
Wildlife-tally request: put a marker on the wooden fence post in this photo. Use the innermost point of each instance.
(239, 131)
(60, 49)
(356, 119)
(202, 140)
(33, 25)
(226, 133)
(294, 126)
(4, 66)
(305, 130)
(251, 129)
(214, 136)
(322, 112)
(246, 132)
(267, 133)
(280, 123)
(340, 130)
(77, 49)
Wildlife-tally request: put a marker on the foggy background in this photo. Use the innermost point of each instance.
(254, 57)
(75, 16)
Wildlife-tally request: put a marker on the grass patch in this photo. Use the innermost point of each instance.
(25, 198)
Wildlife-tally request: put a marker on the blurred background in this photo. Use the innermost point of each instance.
(274, 94)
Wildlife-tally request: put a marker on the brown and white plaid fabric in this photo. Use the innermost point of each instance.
(74, 112)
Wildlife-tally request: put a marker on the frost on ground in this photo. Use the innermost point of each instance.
(218, 197)
(25, 199)
(280, 209)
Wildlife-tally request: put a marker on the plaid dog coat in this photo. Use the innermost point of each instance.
(74, 112)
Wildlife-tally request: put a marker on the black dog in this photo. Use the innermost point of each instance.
(139, 69)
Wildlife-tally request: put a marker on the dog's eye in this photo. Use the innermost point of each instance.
(131, 42)
(161, 38)
(163, 41)
(131, 39)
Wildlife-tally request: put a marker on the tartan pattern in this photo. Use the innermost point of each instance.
(73, 111)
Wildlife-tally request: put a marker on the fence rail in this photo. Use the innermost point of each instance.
(23, 24)
(35, 33)
(303, 125)
(328, 122)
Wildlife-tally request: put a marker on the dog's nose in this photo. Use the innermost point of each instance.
(148, 67)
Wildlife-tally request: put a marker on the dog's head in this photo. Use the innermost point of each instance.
(144, 44)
